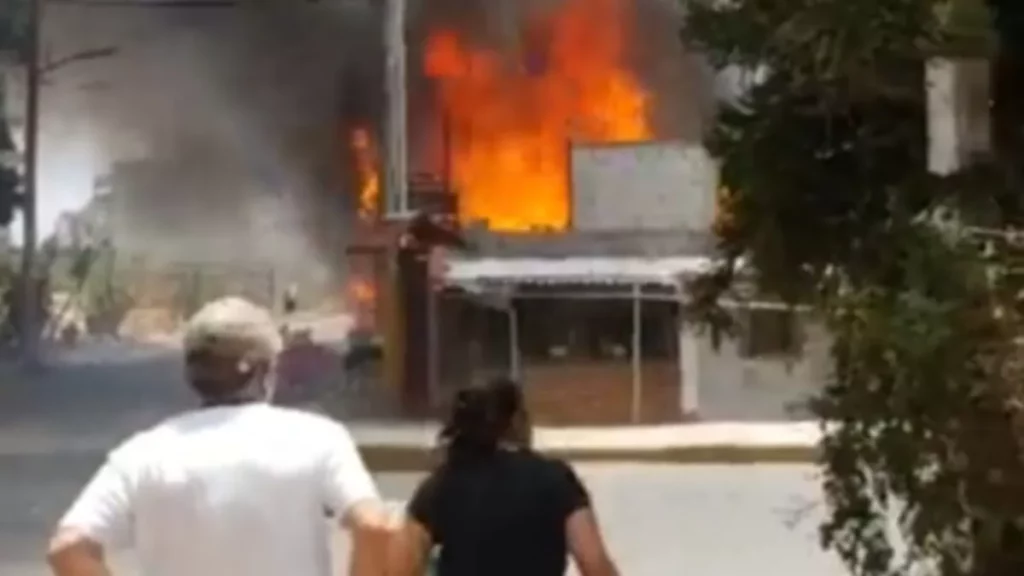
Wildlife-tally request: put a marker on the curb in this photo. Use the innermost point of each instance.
(393, 458)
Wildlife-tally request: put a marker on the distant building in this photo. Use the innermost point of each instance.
(89, 226)
(66, 231)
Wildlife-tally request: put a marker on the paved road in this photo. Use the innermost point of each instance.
(660, 519)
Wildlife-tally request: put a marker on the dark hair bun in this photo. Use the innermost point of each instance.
(480, 418)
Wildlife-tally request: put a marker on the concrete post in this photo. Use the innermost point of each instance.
(396, 177)
(637, 357)
(28, 329)
(689, 369)
(958, 112)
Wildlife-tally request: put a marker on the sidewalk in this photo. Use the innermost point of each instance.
(411, 447)
(399, 446)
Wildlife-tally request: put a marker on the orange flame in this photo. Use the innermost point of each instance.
(361, 300)
(362, 292)
(510, 127)
(365, 152)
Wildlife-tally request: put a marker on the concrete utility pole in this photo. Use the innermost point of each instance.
(28, 321)
(28, 329)
(396, 169)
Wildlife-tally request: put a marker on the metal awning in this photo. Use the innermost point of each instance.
(666, 271)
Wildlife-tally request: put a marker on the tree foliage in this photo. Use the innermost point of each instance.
(14, 26)
(830, 202)
(1008, 22)
(1007, 18)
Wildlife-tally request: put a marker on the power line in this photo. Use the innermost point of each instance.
(173, 4)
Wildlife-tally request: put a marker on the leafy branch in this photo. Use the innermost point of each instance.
(827, 201)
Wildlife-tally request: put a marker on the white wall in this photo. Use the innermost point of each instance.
(733, 388)
(958, 112)
(642, 186)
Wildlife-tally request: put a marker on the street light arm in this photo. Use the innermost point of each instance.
(173, 4)
(84, 55)
(152, 3)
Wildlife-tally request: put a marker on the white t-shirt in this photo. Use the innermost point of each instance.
(226, 491)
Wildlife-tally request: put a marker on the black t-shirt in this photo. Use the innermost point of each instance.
(502, 516)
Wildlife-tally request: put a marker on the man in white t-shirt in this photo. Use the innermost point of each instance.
(235, 488)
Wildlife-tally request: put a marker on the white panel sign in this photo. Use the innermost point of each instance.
(649, 186)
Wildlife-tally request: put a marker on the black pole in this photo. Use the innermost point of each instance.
(28, 333)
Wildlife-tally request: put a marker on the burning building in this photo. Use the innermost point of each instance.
(499, 90)
(564, 137)
(502, 94)
(557, 133)
(508, 121)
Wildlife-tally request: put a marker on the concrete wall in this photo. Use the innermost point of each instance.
(601, 393)
(647, 186)
(733, 388)
(958, 112)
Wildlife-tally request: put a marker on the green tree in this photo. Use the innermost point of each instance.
(1008, 82)
(829, 202)
(13, 41)
(14, 26)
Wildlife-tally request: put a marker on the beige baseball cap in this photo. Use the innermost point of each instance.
(233, 326)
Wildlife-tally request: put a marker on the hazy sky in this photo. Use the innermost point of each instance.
(70, 159)
(74, 145)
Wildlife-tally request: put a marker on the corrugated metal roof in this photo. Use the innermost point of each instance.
(575, 270)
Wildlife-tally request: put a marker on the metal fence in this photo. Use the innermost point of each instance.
(185, 287)
(573, 355)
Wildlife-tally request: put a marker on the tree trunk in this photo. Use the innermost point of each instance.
(1007, 109)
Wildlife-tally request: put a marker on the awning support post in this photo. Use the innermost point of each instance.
(513, 341)
(637, 356)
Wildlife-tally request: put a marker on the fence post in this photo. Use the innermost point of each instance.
(194, 275)
(637, 356)
(272, 286)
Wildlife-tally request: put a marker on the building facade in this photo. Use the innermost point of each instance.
(592, 319)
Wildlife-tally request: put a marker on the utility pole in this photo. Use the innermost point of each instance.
(29, 285)
(396, 169)
(28, 329)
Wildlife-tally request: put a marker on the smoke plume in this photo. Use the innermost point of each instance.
(224, 127)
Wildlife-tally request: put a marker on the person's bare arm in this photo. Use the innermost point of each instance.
(582, 533)
(72, 553)
(371, 529)
(409, 550)
(101, 517)
(349, 492)
(587, 546)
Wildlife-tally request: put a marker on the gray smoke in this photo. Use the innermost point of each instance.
(227, 125)
(679, 82)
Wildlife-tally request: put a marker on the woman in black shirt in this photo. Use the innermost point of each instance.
(494, 507)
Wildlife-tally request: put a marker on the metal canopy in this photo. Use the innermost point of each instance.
(497, 278)
(665, 271)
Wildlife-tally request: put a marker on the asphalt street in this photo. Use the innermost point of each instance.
(659, 520)
(726, 520)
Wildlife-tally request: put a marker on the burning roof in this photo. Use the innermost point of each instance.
(509, 109)
(510, 121)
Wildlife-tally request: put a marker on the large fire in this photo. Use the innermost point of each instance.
(365, 152)
(361, 292)
(510, 122)
(510, 118)
(361, 301)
